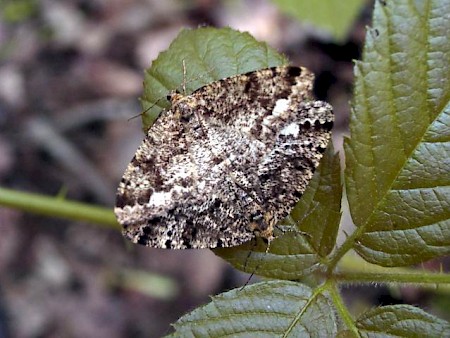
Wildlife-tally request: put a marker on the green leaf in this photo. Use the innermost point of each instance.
(397, 159)
(209, 54)
(18, 10)
(290, 257)
(318, 211)
(336, 17)
(298, 252)
(401, 321)
(269, 309)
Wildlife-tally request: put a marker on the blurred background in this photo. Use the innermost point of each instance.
(71, 73)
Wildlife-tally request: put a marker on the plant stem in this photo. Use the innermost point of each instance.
(353, 268)
(345, 247)
(57, 207)
(342, 308)
(395, 277)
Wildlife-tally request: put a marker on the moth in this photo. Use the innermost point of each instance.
(225, 163)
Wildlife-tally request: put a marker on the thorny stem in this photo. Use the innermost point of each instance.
(345, 247)
(341, 308)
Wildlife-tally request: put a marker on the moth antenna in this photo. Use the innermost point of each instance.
(186, 81)
(137, 115)
(269, 242)
(184, 77)
(143, 112)
(163, 97)
(257, 266)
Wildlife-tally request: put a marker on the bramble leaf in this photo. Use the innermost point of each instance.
(318, 211)
(209, 54)
(397, 159)
(336, 17)
(401, 321)
(268, 309)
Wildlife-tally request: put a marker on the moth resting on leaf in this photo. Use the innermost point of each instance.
(226, 163)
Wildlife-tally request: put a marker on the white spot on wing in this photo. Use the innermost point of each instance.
(280, 107)
(291, 129)
(166, 198)
(160, 198)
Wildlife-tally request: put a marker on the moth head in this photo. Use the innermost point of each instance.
(262, 224)
(174, 96)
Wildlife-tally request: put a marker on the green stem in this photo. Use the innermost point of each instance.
(344, 248)
(57, 207)
(342, 308)
(354, 269)
(395, 277)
